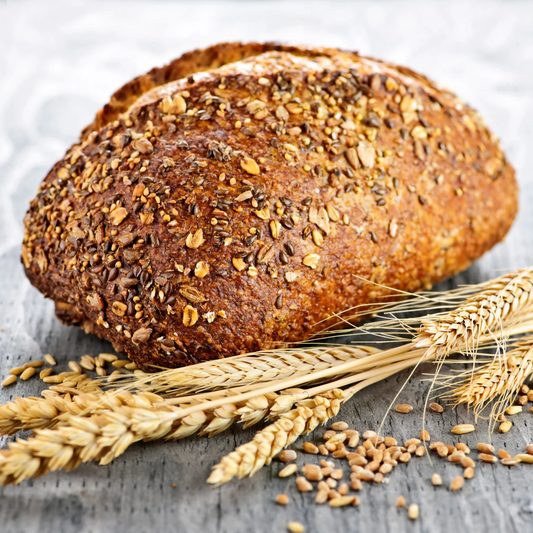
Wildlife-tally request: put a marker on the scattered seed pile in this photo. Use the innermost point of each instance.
(372, 457)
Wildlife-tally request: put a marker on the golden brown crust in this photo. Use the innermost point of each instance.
(235, 209)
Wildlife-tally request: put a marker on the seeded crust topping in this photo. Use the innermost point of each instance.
(227, 210)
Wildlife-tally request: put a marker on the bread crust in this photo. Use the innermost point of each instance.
(238, 197)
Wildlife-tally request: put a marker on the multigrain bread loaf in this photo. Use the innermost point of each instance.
(238, 197)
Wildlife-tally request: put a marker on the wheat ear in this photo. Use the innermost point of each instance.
(246, 369)
(483, 313)
(502, 377)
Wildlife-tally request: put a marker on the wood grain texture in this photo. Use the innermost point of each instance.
(61, 61)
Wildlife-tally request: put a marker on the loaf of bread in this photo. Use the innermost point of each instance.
(235, 199)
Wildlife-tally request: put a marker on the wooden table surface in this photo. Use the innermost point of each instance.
(59, 61)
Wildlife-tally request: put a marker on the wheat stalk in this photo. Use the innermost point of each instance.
(485, 312)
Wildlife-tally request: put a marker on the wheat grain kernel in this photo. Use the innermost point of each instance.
(313, 475)
(411, 449)
(356, 484)
(303, 485)
(510, 461)
(17, 370)
(435, 445)
(130, 366)
(505, 426)
(337, 438)
(525, 458)
(50, 359)
(436, 480)
(468, 472)
(485, 448)
(455, 457)
(530, 395)
(295, 527)
(502, 454)
(339, 426)
(513, 410)
(413, 511)
(467, 462)
(442, 451)
(321, 496)
(289, 470)
(403, 408)
(101, 371)
(386, 468)
(400, 501)
(75, 367)
(369, 434)
(522, 400)
(282, 499)
(343, 489)
(420, 451)
(404, 457)
(286, 456)
(487, 458)
(365, 475)
(412, 442)
(461, 429)
(341, 501)
(436, 408)
(425, 436)
(529, 449)
(34, 364)
(333, 494)
(322, 450)
(120, 363)
(331, 483)
(45, 373)
(309, 447)
(328, 434)
(27, 374)
(109, 357)
(457, 483)
(463, 447)
(524, 389)
(12, 378)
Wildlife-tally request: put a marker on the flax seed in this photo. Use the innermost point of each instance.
(457, 483)
(27, 374)
(436, 480)
(286, 456)
(289, 470)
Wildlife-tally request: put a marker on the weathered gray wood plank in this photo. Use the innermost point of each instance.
(58, 62)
